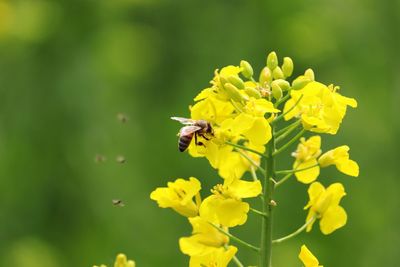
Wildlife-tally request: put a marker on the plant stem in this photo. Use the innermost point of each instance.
(268, 189)
(298, 231)
(236, 239)
(296, 170)
(258, 212)
(284, 179)
(237, 261)
(289, 110)
(286, 131)
(285, 146)
(251, 161)
(245, 148)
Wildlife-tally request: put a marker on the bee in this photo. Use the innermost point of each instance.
(193, 128)
(118, 203)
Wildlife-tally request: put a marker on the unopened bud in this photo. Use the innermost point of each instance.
(247, 69)
(284, 85)
(265, 76)
(300, 82)
(236, 81)
(252, 92)
(272, 60)
(276, 91)
(120, 261)
(130, 264)
(287, 66)
(273, 203)
(277, 73)
(309, 73)
(233, 92)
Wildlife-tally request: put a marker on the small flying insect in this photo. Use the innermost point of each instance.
(192, 128)
(118, 203)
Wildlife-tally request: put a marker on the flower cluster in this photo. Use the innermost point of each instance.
(254, 120)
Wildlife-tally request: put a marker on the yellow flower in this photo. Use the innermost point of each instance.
(324, 205)
(178, 196)
(205, 238)
(225, 206)
(121, 261)
(306, 157)
(218, 258)
(308, 259)
(320, 108)
(340, 157)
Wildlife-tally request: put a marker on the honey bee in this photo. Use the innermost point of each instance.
(193, 128)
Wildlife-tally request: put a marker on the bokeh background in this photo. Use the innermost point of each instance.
(68, 67)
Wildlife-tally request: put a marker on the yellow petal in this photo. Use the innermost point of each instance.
(333, 218)
(349, 167)
(314, 192)
(260, 132)
(245, 189)
(337, 192)
(308, 259)
(242, 123)
(309, 175)
(232, 212)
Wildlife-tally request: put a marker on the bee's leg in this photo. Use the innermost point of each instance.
(202, 135)
(198, 143)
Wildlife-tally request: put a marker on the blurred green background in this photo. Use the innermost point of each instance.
(68, 67)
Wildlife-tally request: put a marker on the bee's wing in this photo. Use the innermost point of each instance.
(188, 130)
(183, 120)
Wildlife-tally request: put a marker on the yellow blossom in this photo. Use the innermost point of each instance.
(225, 205)
(218, 258)
(324, 205)
(308, 259)
(340, 157)
(306, 157)
(205, 238)
(178, 196)
(121, 261)
(320, 107)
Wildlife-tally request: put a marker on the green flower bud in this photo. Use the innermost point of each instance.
(233, 92)
(309, 73)
(265, 76)
(272, 61)
(236, 81)
(277, 73)
(300, 82)
(287, 66)
(276, 91)
(252, 92)
(284, 85)
(247, 69)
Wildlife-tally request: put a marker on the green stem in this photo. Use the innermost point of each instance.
(253, 173)
(268, 189)
(295, 233)
(245, 148)
(251, 161)
(236, 239)
(258, 212)
(296, 170)
(237, 261)
(288, 144)
(284, 179)
(290, 109)
(287, 131)
(283, 99)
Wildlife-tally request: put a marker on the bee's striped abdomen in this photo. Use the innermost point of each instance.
(184, 142)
